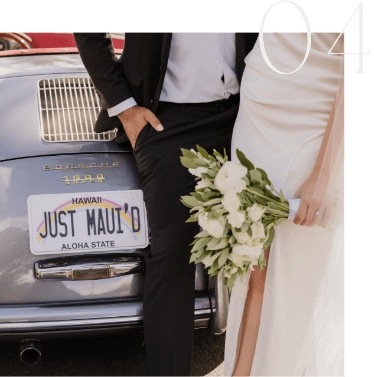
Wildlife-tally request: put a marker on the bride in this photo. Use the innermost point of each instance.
(291, 125)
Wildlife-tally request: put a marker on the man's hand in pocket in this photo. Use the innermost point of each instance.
(135, 118)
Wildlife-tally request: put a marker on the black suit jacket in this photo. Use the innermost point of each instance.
(139, 72)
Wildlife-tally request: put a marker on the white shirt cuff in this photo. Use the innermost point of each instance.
(113, 111)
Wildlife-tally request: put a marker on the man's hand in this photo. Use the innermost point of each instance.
(135, 118)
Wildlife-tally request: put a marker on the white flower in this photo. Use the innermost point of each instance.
(229, 272)
(231, 201)
(214, 227)
(255, 212)
(202, 184)
(258, 230)
(242, 253)
(233, 270)
(236, 219)
(243, 238)
(229, 177)
(202, 219)
(209, 260)
(197, 172)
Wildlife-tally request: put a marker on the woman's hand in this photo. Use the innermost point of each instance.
(316, 201)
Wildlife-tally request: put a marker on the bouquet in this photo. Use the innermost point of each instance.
(237, 208)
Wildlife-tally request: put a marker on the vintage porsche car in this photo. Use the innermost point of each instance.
(73, 225)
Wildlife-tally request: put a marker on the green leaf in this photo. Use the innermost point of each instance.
(246, 180)
(212, 194)
(204, 233)
(272, 205)
(244, 160)
(202, 151)
(231, 282)
(270, 238)
(255, 175)
(245, 226)
(215, 265)
(201, 243)
(260, 200)
(249, 231)
(223, 257)
(220, 159)
(221, 244)
(217, 207)
(281, 196)
(211, 202)
(205, 254)
(212, 172)
(213, 242)
(197, 196)
(265, 176)
(189, 154)
(191, 201)
(193, 257)
(196, 255)
(186, 204)
(212, 215)
(216, 272)
(200, 162)
(216, 153)
(188, 163)
(193, 219)
(226, 230)
(256, 190)
(207, 177)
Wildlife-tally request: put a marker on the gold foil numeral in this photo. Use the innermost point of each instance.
(87, 178)
(100, 178)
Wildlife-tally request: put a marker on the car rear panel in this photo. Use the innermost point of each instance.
(21, 178)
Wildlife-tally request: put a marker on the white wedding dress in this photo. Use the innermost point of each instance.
(280, 126)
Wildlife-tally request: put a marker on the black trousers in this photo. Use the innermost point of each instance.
(169, 292)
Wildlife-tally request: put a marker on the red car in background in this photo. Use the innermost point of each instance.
(26, 41)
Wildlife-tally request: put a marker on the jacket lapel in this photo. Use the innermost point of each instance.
(165, 51)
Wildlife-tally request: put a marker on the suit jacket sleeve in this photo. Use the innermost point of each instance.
(97, 53)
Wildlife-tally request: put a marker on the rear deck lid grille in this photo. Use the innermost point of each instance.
(68, 111)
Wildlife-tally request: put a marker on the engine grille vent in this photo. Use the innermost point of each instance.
(68, 111)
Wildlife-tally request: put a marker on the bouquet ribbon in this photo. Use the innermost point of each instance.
(294, 207)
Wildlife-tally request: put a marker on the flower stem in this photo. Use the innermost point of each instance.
(283, 206)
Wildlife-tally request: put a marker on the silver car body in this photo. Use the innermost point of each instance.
(32, 307)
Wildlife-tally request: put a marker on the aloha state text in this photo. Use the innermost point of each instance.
(86, 245)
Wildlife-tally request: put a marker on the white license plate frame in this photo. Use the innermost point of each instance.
(77, 223)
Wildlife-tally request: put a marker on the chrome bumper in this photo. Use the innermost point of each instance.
(46, 321)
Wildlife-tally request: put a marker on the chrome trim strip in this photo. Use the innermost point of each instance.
(64, 269)
(94, 322)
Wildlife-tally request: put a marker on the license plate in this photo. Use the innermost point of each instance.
(78, 223)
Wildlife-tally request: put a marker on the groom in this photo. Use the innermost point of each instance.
(168, 91)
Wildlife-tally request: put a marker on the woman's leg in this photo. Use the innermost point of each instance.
(250, 321)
